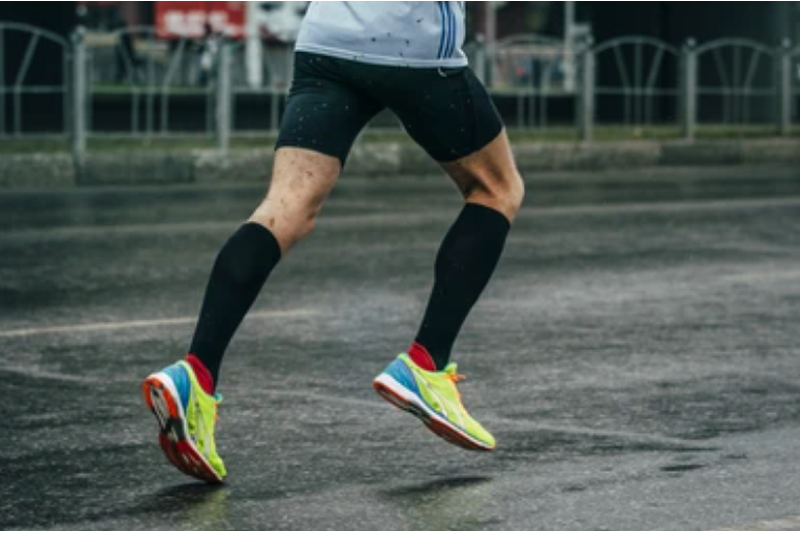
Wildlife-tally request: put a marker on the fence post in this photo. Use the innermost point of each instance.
(785, 111)
(274, 109)
(587, 89)
(78, 100)
(277, 91)
(480, 60)
(689, 90)
(224, 98)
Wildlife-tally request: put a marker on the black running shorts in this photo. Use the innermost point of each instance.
(447, 111)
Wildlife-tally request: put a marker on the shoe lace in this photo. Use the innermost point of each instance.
(455, 378)
(216, 408)
(206, 433)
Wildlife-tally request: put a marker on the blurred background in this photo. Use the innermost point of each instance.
(213, 72)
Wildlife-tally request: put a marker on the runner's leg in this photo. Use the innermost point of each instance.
(301, 179)
(450, 115)
(322, 118)
(493, 192)
(321, 121)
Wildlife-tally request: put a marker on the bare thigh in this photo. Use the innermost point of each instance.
(301, 180)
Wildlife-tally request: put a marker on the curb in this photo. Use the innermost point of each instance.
(139, 167)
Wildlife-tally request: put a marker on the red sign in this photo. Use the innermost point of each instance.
(189, 19)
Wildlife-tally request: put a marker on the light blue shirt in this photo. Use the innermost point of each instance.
(403, 34)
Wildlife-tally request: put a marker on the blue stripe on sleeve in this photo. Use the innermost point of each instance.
(451, 31)
(444, 30)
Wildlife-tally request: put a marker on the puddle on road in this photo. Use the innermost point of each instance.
(682, 467)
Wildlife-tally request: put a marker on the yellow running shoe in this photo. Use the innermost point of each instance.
(433, 398)
(186, 416)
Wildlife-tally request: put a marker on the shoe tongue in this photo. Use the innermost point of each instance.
(451, 368)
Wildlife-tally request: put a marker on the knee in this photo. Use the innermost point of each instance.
(293, 225)
(514, 193)
(504, 193)
(289, 218)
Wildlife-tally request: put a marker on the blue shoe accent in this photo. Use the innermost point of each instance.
(399, 370)
(180, 377)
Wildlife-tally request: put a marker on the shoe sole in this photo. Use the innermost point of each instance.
(161, 396)
(396, 394)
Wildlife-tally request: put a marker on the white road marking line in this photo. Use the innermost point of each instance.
(132, 324)
(764, 275)
(790, 523)
(38, 373)
(631, 437)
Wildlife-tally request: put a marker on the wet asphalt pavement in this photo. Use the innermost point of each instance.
(637, 356)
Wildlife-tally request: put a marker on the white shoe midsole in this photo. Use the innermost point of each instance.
(168, 384)
(401, 391)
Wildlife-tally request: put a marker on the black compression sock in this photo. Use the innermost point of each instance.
(241, 268)
(465, 262)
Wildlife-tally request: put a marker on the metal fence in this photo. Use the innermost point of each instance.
(24, 73)
(133, 84)
(640, 76)
(790, 87)
(135, 71)
(722, 82)
(738, 75)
